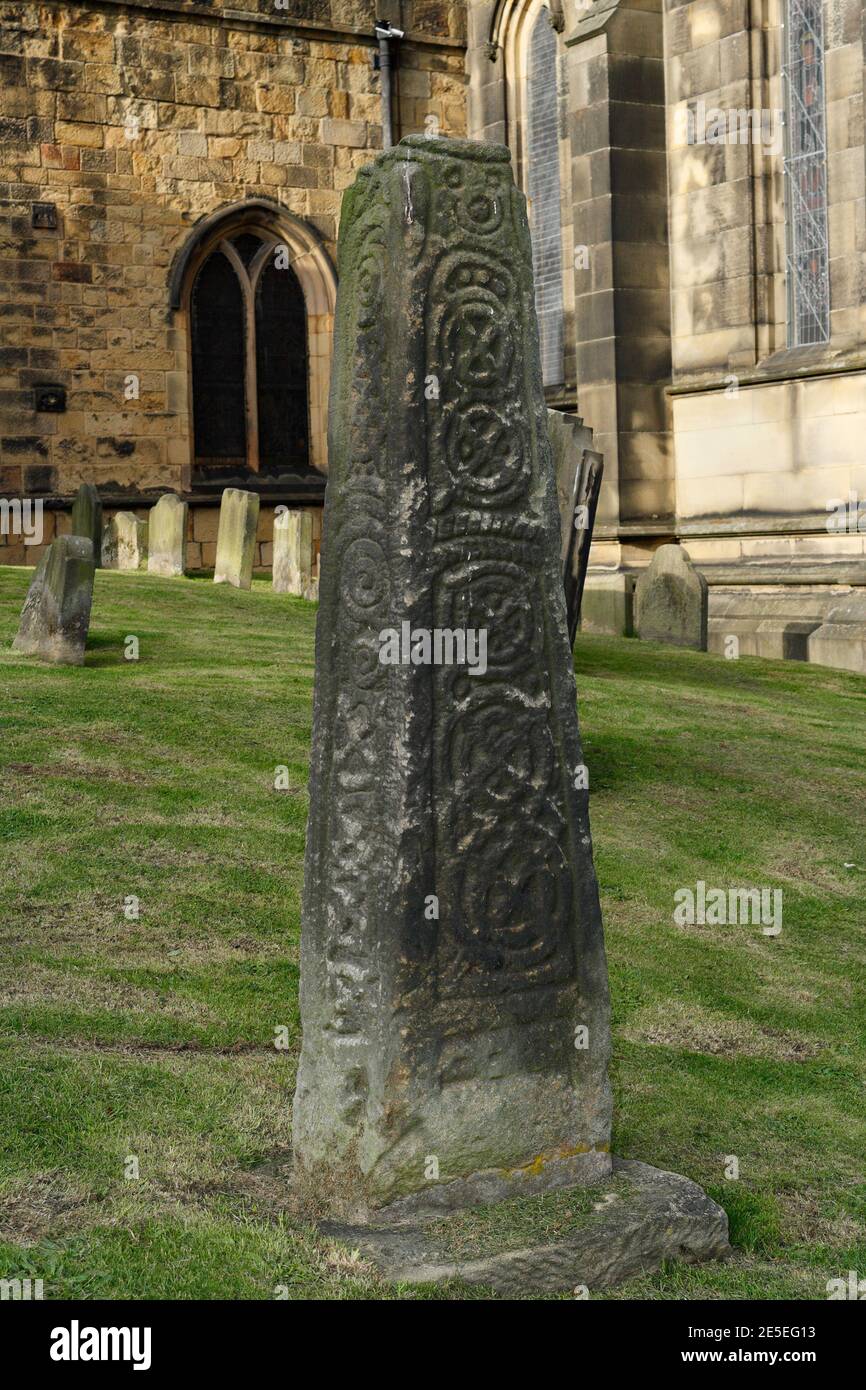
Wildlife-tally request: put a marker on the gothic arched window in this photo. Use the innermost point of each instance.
(806, 175)
(248, 325)
(544, 192)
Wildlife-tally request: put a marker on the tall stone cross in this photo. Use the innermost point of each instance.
(453, 981)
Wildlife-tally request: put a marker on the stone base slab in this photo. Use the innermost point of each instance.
(591, 1237)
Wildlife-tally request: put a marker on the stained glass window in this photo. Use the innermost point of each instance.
(544, 194)
(806, 175)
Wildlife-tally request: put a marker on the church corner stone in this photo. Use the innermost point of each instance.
(671, 600)
(236, 538)
(55, 618)
(87, 518)
(454, 995)
(167, 524)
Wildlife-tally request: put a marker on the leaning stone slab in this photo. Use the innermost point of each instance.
(670, 600)
(569, 436)
(840, 641)
(87, 517)
(124, 542)
(293, 554)
(236, 538)
(578, 470)
(454, 994)
(55, 618)
(167, 536)
(629, 1225)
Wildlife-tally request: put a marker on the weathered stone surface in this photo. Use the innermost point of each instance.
(640, 1218)
(293, 554)
(840, 641)
(452, 945)
(607, 604)
(578, 470)
(167, 536)
(670, 600)
(236, 538)
(87, 518)
(569, 436)
(124, 542)
(56, 615)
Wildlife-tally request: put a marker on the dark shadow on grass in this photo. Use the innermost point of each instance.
(641, 663)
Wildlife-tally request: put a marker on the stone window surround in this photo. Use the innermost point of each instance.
(310, 261)
(510, 32)
(774, 357)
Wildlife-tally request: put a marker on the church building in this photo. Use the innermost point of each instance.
(170, 181)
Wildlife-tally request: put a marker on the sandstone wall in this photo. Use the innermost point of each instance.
(136, 121)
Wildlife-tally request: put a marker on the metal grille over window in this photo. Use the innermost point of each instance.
(806, 176)
(543, 190)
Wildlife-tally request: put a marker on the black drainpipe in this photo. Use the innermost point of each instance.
(385, 32)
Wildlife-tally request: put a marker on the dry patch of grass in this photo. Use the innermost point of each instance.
(40, 985)
(690, 1028)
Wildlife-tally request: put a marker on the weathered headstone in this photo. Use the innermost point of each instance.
(453, 990)
(670, 600)
(56, 615)
(124, 542)
(87, 518)
(293, 554)
(454, 995)
(236, 538)
(167, 536)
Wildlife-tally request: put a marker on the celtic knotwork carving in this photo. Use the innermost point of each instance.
(483, 210)
(365, 577)
(367, 669)
(476, 345)
(486, 456)
(512, 883)
(502, 752)
(495, 596)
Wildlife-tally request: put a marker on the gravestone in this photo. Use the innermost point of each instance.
(670, 600)
(236, 538)
(124, 542)
(293, 554)
(167, 536)
(56, 615)
(87, 518)
(454, 995)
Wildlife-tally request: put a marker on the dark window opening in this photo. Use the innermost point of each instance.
(219, 419)
(281, 369)
(250, 364)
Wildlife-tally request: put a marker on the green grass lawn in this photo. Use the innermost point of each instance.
(154, 1039)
